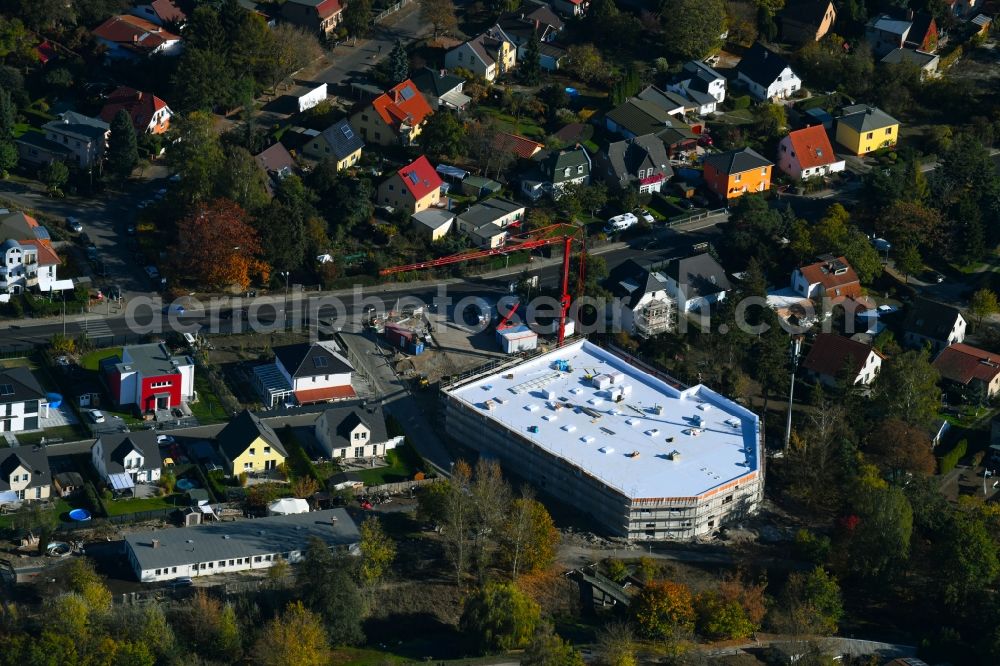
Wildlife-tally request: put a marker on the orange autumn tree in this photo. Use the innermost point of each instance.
(219, 247)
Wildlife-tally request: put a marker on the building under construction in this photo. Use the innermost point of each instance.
(647, 457)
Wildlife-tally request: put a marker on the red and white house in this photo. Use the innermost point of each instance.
(807, 153)
(149, 377)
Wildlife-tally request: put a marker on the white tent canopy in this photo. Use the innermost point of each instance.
(287, 506)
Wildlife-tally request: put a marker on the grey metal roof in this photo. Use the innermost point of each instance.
(643, 152)
(554, 163)
(32, 458)
(243, 538)
(639, 117)
(435, 82)
(239, 433)
(342, 139)
(433, 218)
(339, 421)
(115, 446)
(310, 360)
(931, 319)
(699, 275)
(18, 385)
(864, 118)
(490, 210)
(701, 75)
(737, 161)
(668, 101)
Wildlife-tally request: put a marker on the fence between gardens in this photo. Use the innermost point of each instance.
(391, 9)
(694, 217)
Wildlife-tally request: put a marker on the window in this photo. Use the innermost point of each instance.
(357, 435)
(888, 130)
(739, 177)
(871, 134)
(579, 169)
(566, 172)
(231, 562)
(253, 452)
(359, 452)
(173, 569)
(728, 499)
(256, 558)
(247, 466)
(267, 449)
(763, 171)
(157, 572)
(343, 453)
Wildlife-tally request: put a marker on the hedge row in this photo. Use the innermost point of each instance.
(298, 463)
(947, 462)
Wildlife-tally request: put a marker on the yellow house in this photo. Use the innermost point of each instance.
(864, 129)
(489, 55)
(249, 445)
(338, 142)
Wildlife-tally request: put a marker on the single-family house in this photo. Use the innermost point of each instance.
(638, 117)
(338, 142)
(885, 33)
(354, 431)
(441, 88)
(643, 306)
(307, 373)
(934, 324)
(127, 37)
(923, 34)
(276, 163)
(519, 146)
(969, 368)
(235, 546)
(149, 377)
(540, 24)
(320, 16)
(489, 55)
(700, 84)
(804, 21)
(125, 459)
(734, 173)
(830, 277)
(73, 137)
(926, 62)
(414, 188)
(22, 400)
(767, 75)
(672, 103)
(434, 223)
(696, 283)
(393, 118)
(487, 223)
(573, 8)
(807, 153)
(640, 162)
(834, 359)
(160, 12)
(248, 444)
(28, 258)
(553, 170)
(863, 129)
(24, 472)
(149, 113)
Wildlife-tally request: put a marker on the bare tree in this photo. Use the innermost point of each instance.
(456, 518)
(491, 499)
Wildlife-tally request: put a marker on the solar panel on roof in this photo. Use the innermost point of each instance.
(413, 177)
(348, 132)
(319, 361)
(407, 92)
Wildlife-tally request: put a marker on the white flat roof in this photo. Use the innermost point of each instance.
(566, 414)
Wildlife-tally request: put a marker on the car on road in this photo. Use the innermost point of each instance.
(174, 308)
(74, 225)
(152, 272)
(939, 278)
(96, 415)
(647, 216)
(92, 252)
(620, 223)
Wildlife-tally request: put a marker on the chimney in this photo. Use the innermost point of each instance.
(155, 543)
(333, 520)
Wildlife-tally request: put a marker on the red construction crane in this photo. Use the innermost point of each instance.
(517, 243)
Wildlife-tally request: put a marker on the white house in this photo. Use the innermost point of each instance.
(307, 373)
(355, 431)
(149, 377)
(807, 153)
(124, 459)
(22, 400)
(833, 359)
(643, 306)
(934, 324)
(701, 84)
(767, 75)
(27, 256)
(696, 283)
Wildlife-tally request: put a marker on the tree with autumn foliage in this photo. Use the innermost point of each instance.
(901, 449)
(664, 609)
(219, 247)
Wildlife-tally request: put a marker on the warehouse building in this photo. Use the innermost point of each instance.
(205, 550)
(645, 456)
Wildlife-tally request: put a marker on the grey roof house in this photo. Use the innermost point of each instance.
(440, 88)
(487, 222)
(338, 141)
(22, 400)
(767, 74)
(24, 474)
(124, 459)
(644, 307)
(354, 430)
(935, 324)
(276, 163)
(73, 137)
(926, 62)
(696, 282)
(553, 170)
(311, 372)
(640, 162)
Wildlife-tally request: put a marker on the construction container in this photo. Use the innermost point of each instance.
(516, 339)
(407, 340)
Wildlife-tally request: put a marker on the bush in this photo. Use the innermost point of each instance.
(812, 547)
(740, 102)
(947, 462)
(93, 500)
(298, 462)
(617, 571)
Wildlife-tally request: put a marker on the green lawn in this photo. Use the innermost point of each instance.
(90, 361)
(123, 506)
(403, 461)
(209, 408)
(67, 433)
(61, 508)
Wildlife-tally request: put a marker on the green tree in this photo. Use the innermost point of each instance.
(203, 80)
(548, 649)
(529, 68)
(282, 225)
(693, 28)
(399, 63)
(123, 152)
(8, 115)
(907, 388)
(983, 304)
(295, 638)
(440, 14)
(586, 62)
(358, 18)
(55, 175)
(881, 540)
(443, 135)
(195, 155)
(830, 234)
(327, 586)
(378, 550)
(529, 538)
(810, 604)
(8, 157)
(663, 609)
(968, 559)
(862, 255)
(721, 619)
(243, 180)
(908, 261)
(499, 617)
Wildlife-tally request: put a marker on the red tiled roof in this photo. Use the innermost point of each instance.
(140, 106)
(420, 178)
(46, 254)
(812, 147)
(310, 396)
(521, 146)
(962, 363)
(45, 52)
(328, 8)
(402, 103)
(166, 10)
(134, 33)
(822, 272)
(831, 353)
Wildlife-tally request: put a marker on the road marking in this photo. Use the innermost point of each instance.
(98, 328)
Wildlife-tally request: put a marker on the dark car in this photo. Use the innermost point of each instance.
(184, 581)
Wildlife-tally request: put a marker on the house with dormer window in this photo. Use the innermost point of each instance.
(767, 75)
(355, 430)
(27, 258)
(305, 374)
(123, 460)
(489, 55)
(395, 117)
(24, 474)
(807, 153)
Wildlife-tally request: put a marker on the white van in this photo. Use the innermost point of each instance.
(620, 223)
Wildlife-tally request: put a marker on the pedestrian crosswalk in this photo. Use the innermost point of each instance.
(96, 328)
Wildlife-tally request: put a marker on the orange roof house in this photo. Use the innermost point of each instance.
(736, 172)
(829, 277)
(149, 113)
(127, 36)
(520, 146)
(394, 117)
(968, 366)
(807, 153)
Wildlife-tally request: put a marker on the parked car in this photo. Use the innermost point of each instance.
(96, 415)
(184, 581)
(74, 224)
(152, 272)
(647, 216)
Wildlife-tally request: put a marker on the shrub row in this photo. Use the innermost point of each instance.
(947, 462)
